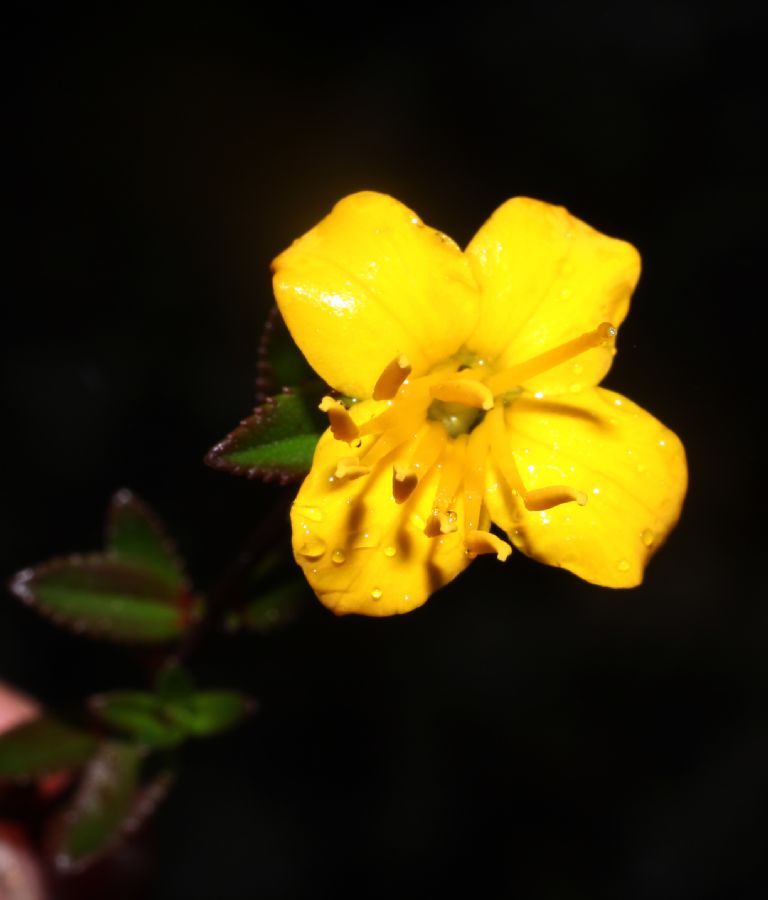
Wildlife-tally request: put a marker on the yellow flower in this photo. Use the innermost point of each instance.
(474, 376)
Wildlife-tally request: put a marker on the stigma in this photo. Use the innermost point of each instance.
(456, 421)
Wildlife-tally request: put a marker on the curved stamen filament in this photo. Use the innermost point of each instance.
(462, 390)
(517, 375)
(479, 542)
(474, 478)
(428, 448)
(391, 378)
(536, 500)
(443, 518)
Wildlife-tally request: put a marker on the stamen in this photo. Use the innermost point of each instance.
(517, 375)
(547, 497)
(404, 480)
(391, 378)
(443, 518)
(462, 390)
(342, 424)
(349, 467)
(474, 478)
(479, 542)
(539, 499)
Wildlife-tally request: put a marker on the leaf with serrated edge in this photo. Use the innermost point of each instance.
(100, 809)
(136, 535)
(105, 598)
(276, 443)
(43, 746)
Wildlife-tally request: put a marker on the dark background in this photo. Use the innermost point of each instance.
(524, 734)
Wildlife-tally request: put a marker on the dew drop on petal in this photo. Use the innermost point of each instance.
(647, 537)
(313, 547)
(376, 594)
(622, 565)
(365, 540)
(338, 557)
(390, 551)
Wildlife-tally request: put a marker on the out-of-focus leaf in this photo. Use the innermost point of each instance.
(209, 712)
(275, 606)
(106, 598)
(276, 443)
(135, 535)
(165, 721)
(42, 746)
(281, 363)
(139, 715)
(173, 682)
(100, 811)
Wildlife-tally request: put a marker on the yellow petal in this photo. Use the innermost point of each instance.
(370, 282)
(631, 467)
(360, 550)
(545, 278)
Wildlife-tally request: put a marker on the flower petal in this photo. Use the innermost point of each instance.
(369, 282)
(546, 277)
(360, 550)
(631, 467)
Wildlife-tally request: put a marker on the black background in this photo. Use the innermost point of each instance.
(524, 734)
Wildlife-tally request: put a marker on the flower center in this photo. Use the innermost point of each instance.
(431, 422)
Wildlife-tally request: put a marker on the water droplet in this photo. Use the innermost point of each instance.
(575, 387)
(338, 557)
(390, 551)
(376, 594)
(622, 565)
(640, 468)
(418, 522)
(648, 537)
(310, 512)
(312, 548)
(577, 368)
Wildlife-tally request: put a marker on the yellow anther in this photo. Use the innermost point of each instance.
(391, 378)
(517, 375)
(349, 467)
(547, 497)
(464, 391)
(404, 480)
(479, 542)
(342, 424)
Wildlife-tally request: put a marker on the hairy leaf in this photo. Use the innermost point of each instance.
(107, 598)
(100, 811)
(276, 443)
(135, 535)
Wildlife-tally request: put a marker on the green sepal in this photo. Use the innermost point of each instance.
(275, 607)
(106, 598)
(43, 746)
(276, 443)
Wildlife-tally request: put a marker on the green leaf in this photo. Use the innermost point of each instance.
(209, 712)
(106, 598)
(139, 715)
(100, 811)
(281, 363)
(276, 443)
(41, 746)
(135, 535)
